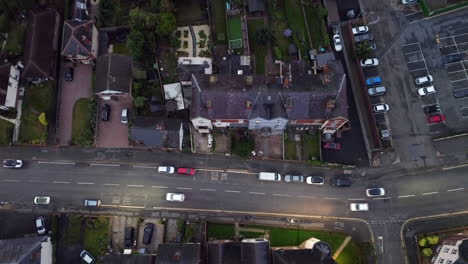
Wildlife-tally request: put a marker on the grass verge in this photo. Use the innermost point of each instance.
(219, 21)
(259, 51)
(96, 235)
(15, 41)
(82, 131)
(6, 131)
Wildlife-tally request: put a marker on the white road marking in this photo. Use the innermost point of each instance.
(64, 182)
(454, 190)
(410, 14)
(132, 185)
(105, 164)
(420, 69)
(382, 198)
(123, 206)
(11, 180)
(183, 188)
(208, 190)
(429, 193)
(356, 199)
(305, 196)
(37, 181)
(409, 44)
(111, 184)
(56, 162)
(283, 195)
(455, 167)
(160, 187)
(459, 80)
(144, 167)
(411, 52)
(452, 36)
(210, 170)
(259, 193)
(331, 198)
(406, 196)
(89, 183)
(230, 191)
(241, 172)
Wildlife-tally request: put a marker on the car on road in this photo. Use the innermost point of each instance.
(360, 30)
(337, 42)
(452, 58)
(128, 237)
(373, 80)
(426, 90)
(461, 93)
(92, 203)
(106, 111)
(12, 164)
(87, 257)
(41, 200)
(424, 79)
(315, 180)
(340, 182)
(435, 119)
(431, 109)
(377, 91)
(68, 74)
(332, 145)
(363, 37)
(166, 169)
(175, 197)
(148, 233)
(294, 178)
(372, 62)
(40, 226)
(381, 108)
(375, 192)
(357, 207)
(186, 171)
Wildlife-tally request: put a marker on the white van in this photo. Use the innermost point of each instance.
(269, 176)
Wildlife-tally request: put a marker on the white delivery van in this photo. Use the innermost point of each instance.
(269, 176)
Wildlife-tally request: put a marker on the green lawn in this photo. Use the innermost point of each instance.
(6, 131)
(219, 13)
(296, 22)
(317, 26)
(37, 100)
(96, 235)
(220, 231)
(278, 24)
(351, 254)
(259, 51)
(235, 30)
(73, 234)
(120, 48)
(82, 132)
(15, 41)
(311, 147)
(246, 234)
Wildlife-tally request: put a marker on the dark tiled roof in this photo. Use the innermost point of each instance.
(21, 250)
(4, 77)
(77, 38)
(80, 10)
(232, 252)
(256, 5)
(156, 132)
(41, 44)
(128, 259)
(114, 72)
(175, 253)
(319, 254)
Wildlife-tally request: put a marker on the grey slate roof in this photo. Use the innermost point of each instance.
(21, 250)
(233, 252)
(256, 5)
(319, 254)
(77, 38)
(114, 72)
(156, 132)
(176, 253)
(4, 78)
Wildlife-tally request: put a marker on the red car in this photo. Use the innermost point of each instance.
(435, 119)
(186, 171)
(332, 145)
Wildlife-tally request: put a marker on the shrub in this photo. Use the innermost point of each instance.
(433, 240)
(42, 119)
(426, 252)
(422, 242)
(277, 53)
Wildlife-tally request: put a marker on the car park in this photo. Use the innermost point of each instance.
(92, 203)
(124, 116)
(381, 108)
(42, 200)
(426, 90)
(357, 207)
(461, 93)
(315, 180)
(372, 62)
(106, 111)
(360, 30)
(377, 91)
(373, 80)
(452, 58)
(332, 145)
(340, 182)
(375, 192)
(166, 169)
(175, 197)
(87, 257)
(128, 237)
(431, 109)
(148, 233)
(363, 37)
(337, 42)
(424, 80)
(435, 119)
(12, 164)
(293, 178)
(40, 226)
(68, 74)
(186, 171)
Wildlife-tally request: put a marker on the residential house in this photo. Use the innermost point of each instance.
(177, 253)
(128, 259)
(28, 250)
(247, 251)
(310, 251)
(157, 132)
(174, 96)
(9, 84)
(40, 53)
(113, 75)
(80, 41)
(453, 250)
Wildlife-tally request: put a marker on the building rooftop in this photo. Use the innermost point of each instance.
(176, 253)
(114, 72)
(233, 252)
(77, 38)
(22, 250)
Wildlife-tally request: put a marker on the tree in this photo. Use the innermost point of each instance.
(363, 50)
(166, 6)
(4, 23)
(136, 44)
(166, 24)
(263, 36)
(422, 242)
(139, 102)
(107, 10)
(433, 240)
(426, 252)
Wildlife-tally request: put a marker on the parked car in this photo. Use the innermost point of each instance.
(426, 90)
(69, 74)
(452, 58)
(460, 93)
(360, 30)
(187, 171)
(293, 178)
(373, 80)
(42, 200)
(148, 233)
(431, 109)
(12, 164)
(409, 2)
(87, 257)
(332, 145)
(381, 108)
(435, 119)
(175, 197)
(40, 226)
(337, 42)
(377, 91)
(128, 238)
(340, 182)
(124, 116)
(106, 111)
(375, 192)
(357, 207)
(370, 62)
(424, 79)
(92, 203)
(363, 37)
(315, 180)
(166, 169)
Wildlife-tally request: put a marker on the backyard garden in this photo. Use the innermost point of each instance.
(257, 48)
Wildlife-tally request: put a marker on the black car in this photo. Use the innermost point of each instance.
(431, 109)
(106, 110)
(460, 93)
(148, 233)
(129, 233)
(340, 182)
(68, 74)
(452, 58)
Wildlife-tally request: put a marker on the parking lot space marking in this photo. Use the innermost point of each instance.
(11, 180)
(410, 44)
(452, 36)
(418, 69)
(257, 193)
(429, 193)
(455, 190)
(37, 181)
(305, 196)
(331, 198)
(231, 191)
(356, 199)
(406, 196)
(144, 167)
(382, 198)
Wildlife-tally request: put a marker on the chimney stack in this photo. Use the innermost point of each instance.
(248, 104)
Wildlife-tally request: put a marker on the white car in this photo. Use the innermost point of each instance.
(175, 197)
(360, 30)
(380, 108)
(337, 42)
(409, 2)
(315, 180)
(370, 62)
(375, 192)
(40, 226)
(86, 257)
(166, 169)
(356, 207)
(42, 200)
(426, 90)
(424, 79)
(13, 164)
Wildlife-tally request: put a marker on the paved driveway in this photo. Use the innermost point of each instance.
(112, 133)
(80, 87)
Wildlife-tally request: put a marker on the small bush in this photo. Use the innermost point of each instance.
(277, 53)
(42, 119)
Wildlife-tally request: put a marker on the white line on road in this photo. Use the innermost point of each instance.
(208, 190)
(132, 185)
(406, 196)
(454, 190)
(11, 180)
(160, 187)
(409, 44)
(304, 196)
(455, 167)
(56, 162)
(429, 193)
(283, 195)
(241, 172)
(183, 188)
(420, 69)
(356, 199)
(414, 13)
(105, 164)
(144, 167)
(331, 198)
(210, 170)
(123, 206)
(230, 191)
(412, 52)
(89, 183)
(64, 182)
(382, 198)
(111, 184)
(259, 193)
(37, 181)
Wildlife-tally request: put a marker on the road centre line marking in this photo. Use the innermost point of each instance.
(123, 206)
(132, 185)
(429, 193)
(85, 183)
(65, 182)
(11, 180)
(356, 199)
(144, 167)
(331, 198)
(406, 196)
(210, 170)
(160, 187)
(230, 191)
(279, 194)
(259, 193)
(105, 164)
(56, 162)
(382, 198)
(454, 190)
(183, 188)
(111, 184)
(37, 181)
(455, 167)
(208, 190)
(305, 196)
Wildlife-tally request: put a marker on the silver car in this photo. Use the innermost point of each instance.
(377, 90)
(294, 178)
